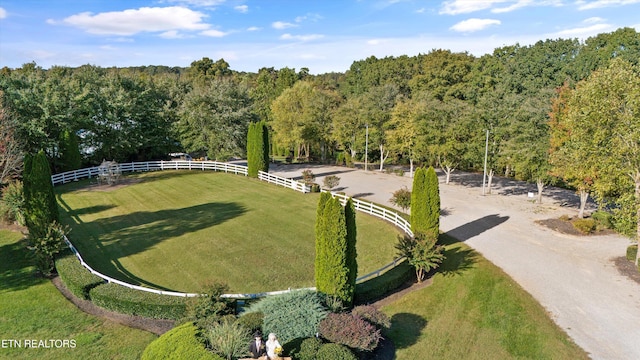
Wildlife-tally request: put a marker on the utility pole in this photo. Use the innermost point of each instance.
(486, 151)
(366, 146)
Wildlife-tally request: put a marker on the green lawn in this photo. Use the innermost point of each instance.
(31, 308)
(473, 310)
(176, 230)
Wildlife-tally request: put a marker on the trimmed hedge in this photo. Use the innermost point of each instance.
(375, 288)
(178, 343)
(632, 252)
(121, 299)
(76, 277)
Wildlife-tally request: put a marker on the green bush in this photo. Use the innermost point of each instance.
(229, 339)
(350, 330)
(76, 277)
(603, 219)
(12, 203)
(306, 349)
(315, 188)
(335, 352)
(585, 226)
(124, 300)
(252, 321)
(375, 288)
(348, 159)
(291, 315)
(177, 344)
(373, 316)
(340, 159)
(331, 181)
(632, 252)
(208, 308)
(402, 198)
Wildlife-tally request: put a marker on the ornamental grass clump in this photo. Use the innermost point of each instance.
(350, 330)
(229, 339)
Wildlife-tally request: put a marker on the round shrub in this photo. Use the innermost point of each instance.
(585, 226)
(603, 219)
(291, 315)
(303, 349)
(335, 352)
(76, 277)
(372, 315)
(350, 330)
(178, 343)
(251, 321)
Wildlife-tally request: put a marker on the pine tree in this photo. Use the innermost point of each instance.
(41, 207)
(432, 220)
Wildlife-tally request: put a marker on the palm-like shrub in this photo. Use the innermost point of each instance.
(292, 315)
(229, 339)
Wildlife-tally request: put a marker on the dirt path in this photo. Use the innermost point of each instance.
(574, 278)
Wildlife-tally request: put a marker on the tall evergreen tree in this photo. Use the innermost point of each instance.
(257, 148)
(419, 203)
(432, 220)
(70, 157)
(352, 262)
(252, 166)
(321, 252)
(40, 200)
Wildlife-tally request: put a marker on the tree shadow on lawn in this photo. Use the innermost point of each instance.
(406, 329)
(16, 271)
(124, 235)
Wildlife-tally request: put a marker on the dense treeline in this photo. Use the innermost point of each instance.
(433, 109)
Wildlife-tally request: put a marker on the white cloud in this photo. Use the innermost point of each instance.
(242, 8)
(421, 10)
(593, 20)
(171, 34)
(512, 7)
(472, 25)
(280, 25)
(589, 5)
(301, 37)
(584, 32)
(214, 33)
(455, 7)
(3, 13)
(133, 21)
(203, 3)
(253, 28)
(310, 17)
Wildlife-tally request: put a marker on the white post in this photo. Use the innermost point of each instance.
(486, 150)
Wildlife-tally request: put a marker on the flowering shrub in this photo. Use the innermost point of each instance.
(350, 330)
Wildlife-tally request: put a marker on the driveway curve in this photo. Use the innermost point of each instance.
(574, 278)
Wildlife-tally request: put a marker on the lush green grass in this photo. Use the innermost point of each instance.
(473, 310)
(32, 308)
(176, 230)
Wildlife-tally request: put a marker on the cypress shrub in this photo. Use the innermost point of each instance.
(351, 261)
(265, 146)
(252, 165)
(177, 344)
(335, 352)
(257, 148)
(333, 277)
(321, 253)
(418, 202)
(76, 277)
(41, 207)
(124, 300)
(291, 315)
(432, 220)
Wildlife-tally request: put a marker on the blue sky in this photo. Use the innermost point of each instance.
(322, 35)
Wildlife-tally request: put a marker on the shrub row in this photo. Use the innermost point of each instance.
(178, 343)
(76, 277)
(375, 288)
(124, 300)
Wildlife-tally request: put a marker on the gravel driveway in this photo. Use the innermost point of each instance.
(574, 278)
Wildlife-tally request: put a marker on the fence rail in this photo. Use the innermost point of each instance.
(360, 205)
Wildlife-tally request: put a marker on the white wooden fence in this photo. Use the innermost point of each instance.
(360, 205)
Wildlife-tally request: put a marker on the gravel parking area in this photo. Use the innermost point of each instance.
(574, 277)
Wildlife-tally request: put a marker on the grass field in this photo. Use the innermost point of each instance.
(31, 308)
(176, 230)
(473, 310)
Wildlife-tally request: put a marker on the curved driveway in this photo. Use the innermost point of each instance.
(574, 278)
